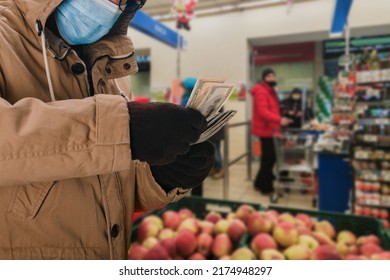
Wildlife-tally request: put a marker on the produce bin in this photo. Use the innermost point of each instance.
(199, 206)
(359, 225)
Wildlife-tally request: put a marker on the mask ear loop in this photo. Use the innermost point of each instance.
(44, 52)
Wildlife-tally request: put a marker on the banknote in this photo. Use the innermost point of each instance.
(223, 119)
(216, 97)
(201, 89)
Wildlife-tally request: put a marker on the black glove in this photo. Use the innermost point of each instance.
(159, 132)
(188, 171)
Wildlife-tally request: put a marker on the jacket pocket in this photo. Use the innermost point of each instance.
(26, 200)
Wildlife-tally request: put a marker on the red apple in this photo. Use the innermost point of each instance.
(186, 213)
(222, 245)
(136, 252)
(213, 217)
(236, 230)
(325, 252)
(244, 211)
(261, 242)
(171, 220)
(204, 243)
(186, 243)
(285, 234)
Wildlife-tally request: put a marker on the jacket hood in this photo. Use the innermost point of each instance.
(34, 10)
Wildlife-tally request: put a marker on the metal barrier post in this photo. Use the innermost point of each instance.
(226, 163)
(249, 152)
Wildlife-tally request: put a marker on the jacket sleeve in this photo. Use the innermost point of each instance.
(149, 194)
(43, 142)
(261, 102)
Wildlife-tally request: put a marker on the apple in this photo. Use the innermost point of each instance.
(271, 254)
(243, 254)
(222, 245)
(166, 233)
(186, 213)
(244, 211)
(225, 258)
(323, 239)
(170, 246)
(261, 242)
(325, 252)
(236, 230)
(272, 213)
(344, 247)
(370, 249)
(213, 217)
(308, 241)
(297, 252)
(368, 239)
(381, 256)
(190, 224)
(136, 252)
(157, 253)
(171, 220)
(147, 229)
(325, 227)
(155, 220)
(304, 219)
(285, 234)
(346, 235)
(303, 230)
(221, 226)
(231, 216)
(287, 218)
(206, 227)
(204, 243)
(186, 242)
(257, 222)
(150, 242)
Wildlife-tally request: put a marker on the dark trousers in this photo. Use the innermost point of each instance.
(265, 177)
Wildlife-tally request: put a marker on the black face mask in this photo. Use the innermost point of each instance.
(272, 84)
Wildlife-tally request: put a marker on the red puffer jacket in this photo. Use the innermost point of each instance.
(266, 111)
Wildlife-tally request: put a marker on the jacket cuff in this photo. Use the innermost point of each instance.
(113, 128)
(150, 194)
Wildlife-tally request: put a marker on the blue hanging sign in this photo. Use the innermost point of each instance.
(343, 7)
(155, 29)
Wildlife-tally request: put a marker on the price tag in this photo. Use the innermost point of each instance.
(361, 155)
(382, 121)
(386, 176)
(370, 138)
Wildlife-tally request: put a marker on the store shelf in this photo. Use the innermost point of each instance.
(373, 205)
(371, 159)
(374, 121)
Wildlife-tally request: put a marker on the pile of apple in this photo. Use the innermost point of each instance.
(270, 236)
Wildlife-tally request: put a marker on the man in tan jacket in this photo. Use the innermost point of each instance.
(76, 157)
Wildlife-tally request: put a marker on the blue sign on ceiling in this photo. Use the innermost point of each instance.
(155, 29)
(340, 18)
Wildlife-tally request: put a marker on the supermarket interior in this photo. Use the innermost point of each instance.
(309, 143)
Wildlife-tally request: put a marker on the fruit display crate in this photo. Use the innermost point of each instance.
(360, 225)
(199, 206)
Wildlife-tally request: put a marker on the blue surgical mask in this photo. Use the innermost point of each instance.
(83, 22)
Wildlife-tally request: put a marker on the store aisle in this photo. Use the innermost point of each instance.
(242, 190)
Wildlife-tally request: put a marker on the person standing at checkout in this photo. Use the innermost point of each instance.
(266, 120)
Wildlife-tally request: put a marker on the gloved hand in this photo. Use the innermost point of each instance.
(187, 171)
(159, 132)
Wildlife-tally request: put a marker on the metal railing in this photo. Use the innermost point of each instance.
(227, 163)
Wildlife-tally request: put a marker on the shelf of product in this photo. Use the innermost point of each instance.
(200, 229)
(371, 163)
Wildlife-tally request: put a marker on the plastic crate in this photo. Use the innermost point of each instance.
(359, 225)
(199, 206)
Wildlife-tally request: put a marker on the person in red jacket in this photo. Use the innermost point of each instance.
(266, 120)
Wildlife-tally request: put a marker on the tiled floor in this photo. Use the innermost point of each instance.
(240, 189)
